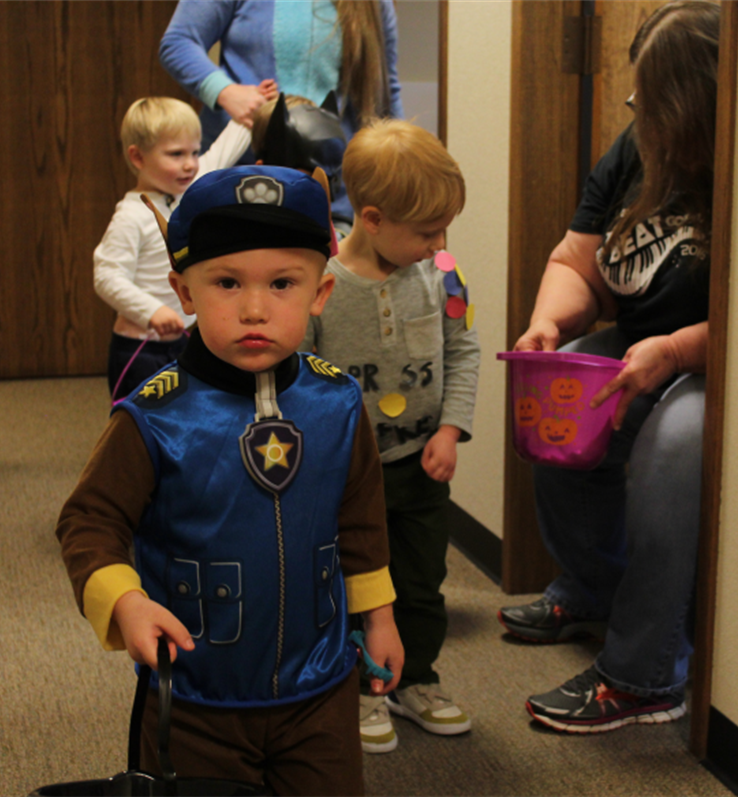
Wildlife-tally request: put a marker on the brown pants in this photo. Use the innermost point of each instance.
(307, 748)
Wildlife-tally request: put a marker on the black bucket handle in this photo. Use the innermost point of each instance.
(165, 716)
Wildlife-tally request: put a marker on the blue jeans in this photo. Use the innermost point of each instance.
(625, 534)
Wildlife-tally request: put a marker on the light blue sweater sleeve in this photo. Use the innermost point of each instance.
(194, 28)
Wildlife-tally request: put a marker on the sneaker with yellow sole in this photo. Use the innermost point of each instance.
(429, 707)
(375, 725)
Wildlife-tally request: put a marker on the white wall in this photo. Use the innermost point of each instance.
(724, 693)
(417, 60)
(479, 72)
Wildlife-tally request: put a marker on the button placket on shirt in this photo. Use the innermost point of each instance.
(386, 313)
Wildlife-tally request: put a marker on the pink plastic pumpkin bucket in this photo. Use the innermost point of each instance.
(552, 421)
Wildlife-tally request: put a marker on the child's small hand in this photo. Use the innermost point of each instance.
(439, 454)
(269, 89)
(142, 621)
(166, 322)
(384, 646)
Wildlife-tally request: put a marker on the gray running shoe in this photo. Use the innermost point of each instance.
(588, 704)
(545, 621)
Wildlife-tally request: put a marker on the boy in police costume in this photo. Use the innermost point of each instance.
(239, 473)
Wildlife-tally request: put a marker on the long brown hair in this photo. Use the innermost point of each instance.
(675, 54)
(364, 77)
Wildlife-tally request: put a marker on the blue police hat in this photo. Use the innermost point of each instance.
(249, 207)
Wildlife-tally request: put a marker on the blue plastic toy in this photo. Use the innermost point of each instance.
(357, 637)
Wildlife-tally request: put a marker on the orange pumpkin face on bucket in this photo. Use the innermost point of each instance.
(564, 391)
(557, 433)
(527, 411)
(568, 433)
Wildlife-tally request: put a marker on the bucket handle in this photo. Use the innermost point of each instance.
(165, 716)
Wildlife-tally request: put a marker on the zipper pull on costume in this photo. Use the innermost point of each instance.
(271, 447)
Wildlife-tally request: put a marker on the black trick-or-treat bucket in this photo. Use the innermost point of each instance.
(135, 783)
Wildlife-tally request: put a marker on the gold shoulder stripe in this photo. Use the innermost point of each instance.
(323, 367)
(160, 385)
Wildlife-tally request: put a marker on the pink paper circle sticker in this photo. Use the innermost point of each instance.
(445, 261)
(456, 307)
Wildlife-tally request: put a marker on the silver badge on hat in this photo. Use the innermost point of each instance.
(260, 190)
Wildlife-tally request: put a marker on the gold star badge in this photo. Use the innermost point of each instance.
(274, 452)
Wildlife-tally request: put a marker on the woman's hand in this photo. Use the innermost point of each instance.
(650, 362)
(541, 335)
(241, 102)
(269, 89)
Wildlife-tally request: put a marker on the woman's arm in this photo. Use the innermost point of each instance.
(194, 28)
(571, 297)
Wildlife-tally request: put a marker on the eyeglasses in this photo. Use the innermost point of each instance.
(631, 101)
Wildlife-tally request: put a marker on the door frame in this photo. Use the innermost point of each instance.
(712, 462)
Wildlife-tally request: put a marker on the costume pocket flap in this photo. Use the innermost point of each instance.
(325, 564)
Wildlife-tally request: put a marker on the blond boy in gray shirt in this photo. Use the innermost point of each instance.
(399, 322)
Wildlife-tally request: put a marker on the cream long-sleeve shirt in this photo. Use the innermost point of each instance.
(131, 265)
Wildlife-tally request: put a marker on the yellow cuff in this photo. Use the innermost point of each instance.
(367, 591)
(102, 591)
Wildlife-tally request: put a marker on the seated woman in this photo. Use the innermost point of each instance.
(638, 252)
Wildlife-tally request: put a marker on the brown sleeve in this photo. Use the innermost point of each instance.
(362, 520)
(97, 522)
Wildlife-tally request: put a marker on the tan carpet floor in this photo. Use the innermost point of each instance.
(64, 703)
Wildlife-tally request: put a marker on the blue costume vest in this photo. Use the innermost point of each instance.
(256, 581)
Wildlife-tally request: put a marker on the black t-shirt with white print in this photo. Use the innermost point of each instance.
(660, 279)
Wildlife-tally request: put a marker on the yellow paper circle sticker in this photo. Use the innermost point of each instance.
(469, 316)
(393, 404)
(460, 275)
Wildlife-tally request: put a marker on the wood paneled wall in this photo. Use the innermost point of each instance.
(71, 70)
(614, 83)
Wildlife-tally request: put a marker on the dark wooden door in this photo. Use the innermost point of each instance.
(544, 166)
(545, 178)
(71, 70)
(613, 83)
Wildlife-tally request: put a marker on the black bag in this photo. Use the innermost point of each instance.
(135, 783)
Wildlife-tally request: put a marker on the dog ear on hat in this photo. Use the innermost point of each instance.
(277, 147)
(320, 176)
(330, 103)
(163, 225)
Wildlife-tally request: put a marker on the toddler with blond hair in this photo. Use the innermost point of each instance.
(398, 323)
(161, 145)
